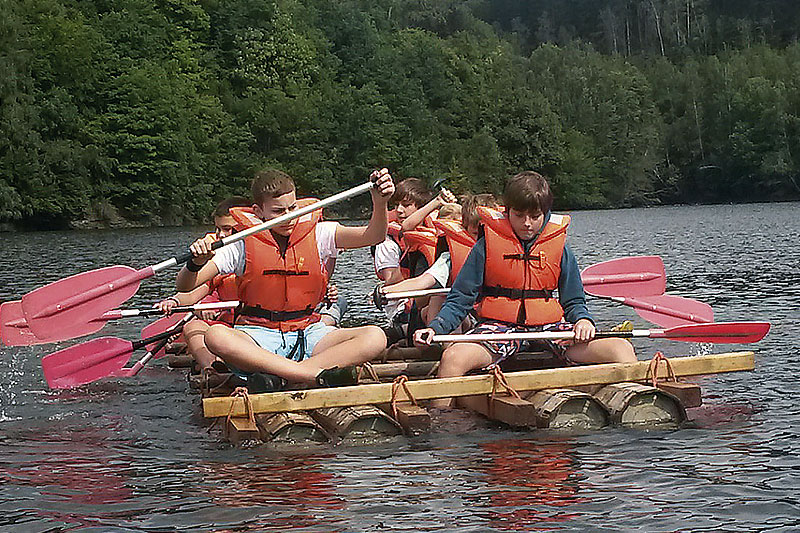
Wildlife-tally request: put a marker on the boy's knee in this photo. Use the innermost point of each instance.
(621, 350)
(374, 336)
(216, 337)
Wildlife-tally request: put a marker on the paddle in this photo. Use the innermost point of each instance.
(13, 328)
(15, 331)
(718, 332)
(57, 307)
(669, 311)
(160, 325)
(153, 352)
(91, 360)
(626, 276)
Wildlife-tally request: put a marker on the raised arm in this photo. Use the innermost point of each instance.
(417, 217)
(374, 232)
(199, 269)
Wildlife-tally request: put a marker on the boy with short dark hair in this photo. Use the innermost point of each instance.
(282, 279)
(513, 272)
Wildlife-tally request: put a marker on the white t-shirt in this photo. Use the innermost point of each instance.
(440, 269)
(387, 255)
(231, 259)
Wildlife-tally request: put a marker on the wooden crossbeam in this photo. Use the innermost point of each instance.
(473, 385)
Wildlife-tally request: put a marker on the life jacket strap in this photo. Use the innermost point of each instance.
(275, 316)
(279, 272)
(516, 294)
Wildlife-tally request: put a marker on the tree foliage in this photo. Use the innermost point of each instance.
(151, 111)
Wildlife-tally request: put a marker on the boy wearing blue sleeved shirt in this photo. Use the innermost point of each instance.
(512, 272)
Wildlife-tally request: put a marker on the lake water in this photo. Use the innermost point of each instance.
(135, 454)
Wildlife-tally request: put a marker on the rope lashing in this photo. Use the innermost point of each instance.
(400, 381)
(652, 369)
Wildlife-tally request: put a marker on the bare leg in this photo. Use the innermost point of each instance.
(457, 360)
(194, 333)
(347, 346)
(338, 348)
(602, 351)
(240, 350)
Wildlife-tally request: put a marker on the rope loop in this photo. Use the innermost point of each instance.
(370, 371)
(652, 369)
(400, 381)
(241, 392)
(499, 378)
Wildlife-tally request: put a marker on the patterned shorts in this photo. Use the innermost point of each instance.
(503, 350)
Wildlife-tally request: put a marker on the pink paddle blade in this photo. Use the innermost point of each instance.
(159, 326)
(85, 362)
(626, 276)
(718, 332)
(14, 330)
(669, 311)
(53, 309)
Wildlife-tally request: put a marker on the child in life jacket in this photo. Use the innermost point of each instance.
(221, 288)
(281, 279)
(414, 211)
(512, 273)
(458, 231)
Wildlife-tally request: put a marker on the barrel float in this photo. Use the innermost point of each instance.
(363, 422)
(568, 409)
(636, 405)
(290, 427)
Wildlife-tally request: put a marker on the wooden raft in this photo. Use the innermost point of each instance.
(532, 380)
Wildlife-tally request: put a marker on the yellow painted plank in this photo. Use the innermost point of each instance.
(472, 385)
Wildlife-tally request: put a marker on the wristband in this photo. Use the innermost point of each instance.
(378, 296)
(175, 299)
(191, 266)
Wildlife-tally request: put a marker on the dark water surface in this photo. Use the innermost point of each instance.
(134, 454)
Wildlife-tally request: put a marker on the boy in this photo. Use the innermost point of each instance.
(221, 288)
(414, 210)
(282, 279)
(512, 271)
(455, 242)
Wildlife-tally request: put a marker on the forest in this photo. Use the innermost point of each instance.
(147, 112)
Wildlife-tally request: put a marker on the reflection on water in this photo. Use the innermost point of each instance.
(134, 454)
(529, 482)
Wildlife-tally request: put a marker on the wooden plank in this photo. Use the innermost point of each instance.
(240, 429)
(689, 394)
(506, 409)
(414, 419)
(473, 385)
(409, 368)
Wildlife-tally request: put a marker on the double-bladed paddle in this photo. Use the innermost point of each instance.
(14, 328)
(97, 358)
(716, 332)
(57, 307)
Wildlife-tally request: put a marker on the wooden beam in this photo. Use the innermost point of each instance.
(473, 385)
(507, 409)
(414, 419)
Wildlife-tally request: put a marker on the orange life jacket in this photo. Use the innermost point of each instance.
(394, 232)
(420, 243)
(223, 288)
(517, 286)
(458, 243)
(280, 291)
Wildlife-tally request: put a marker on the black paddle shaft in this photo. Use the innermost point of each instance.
(159, 336)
